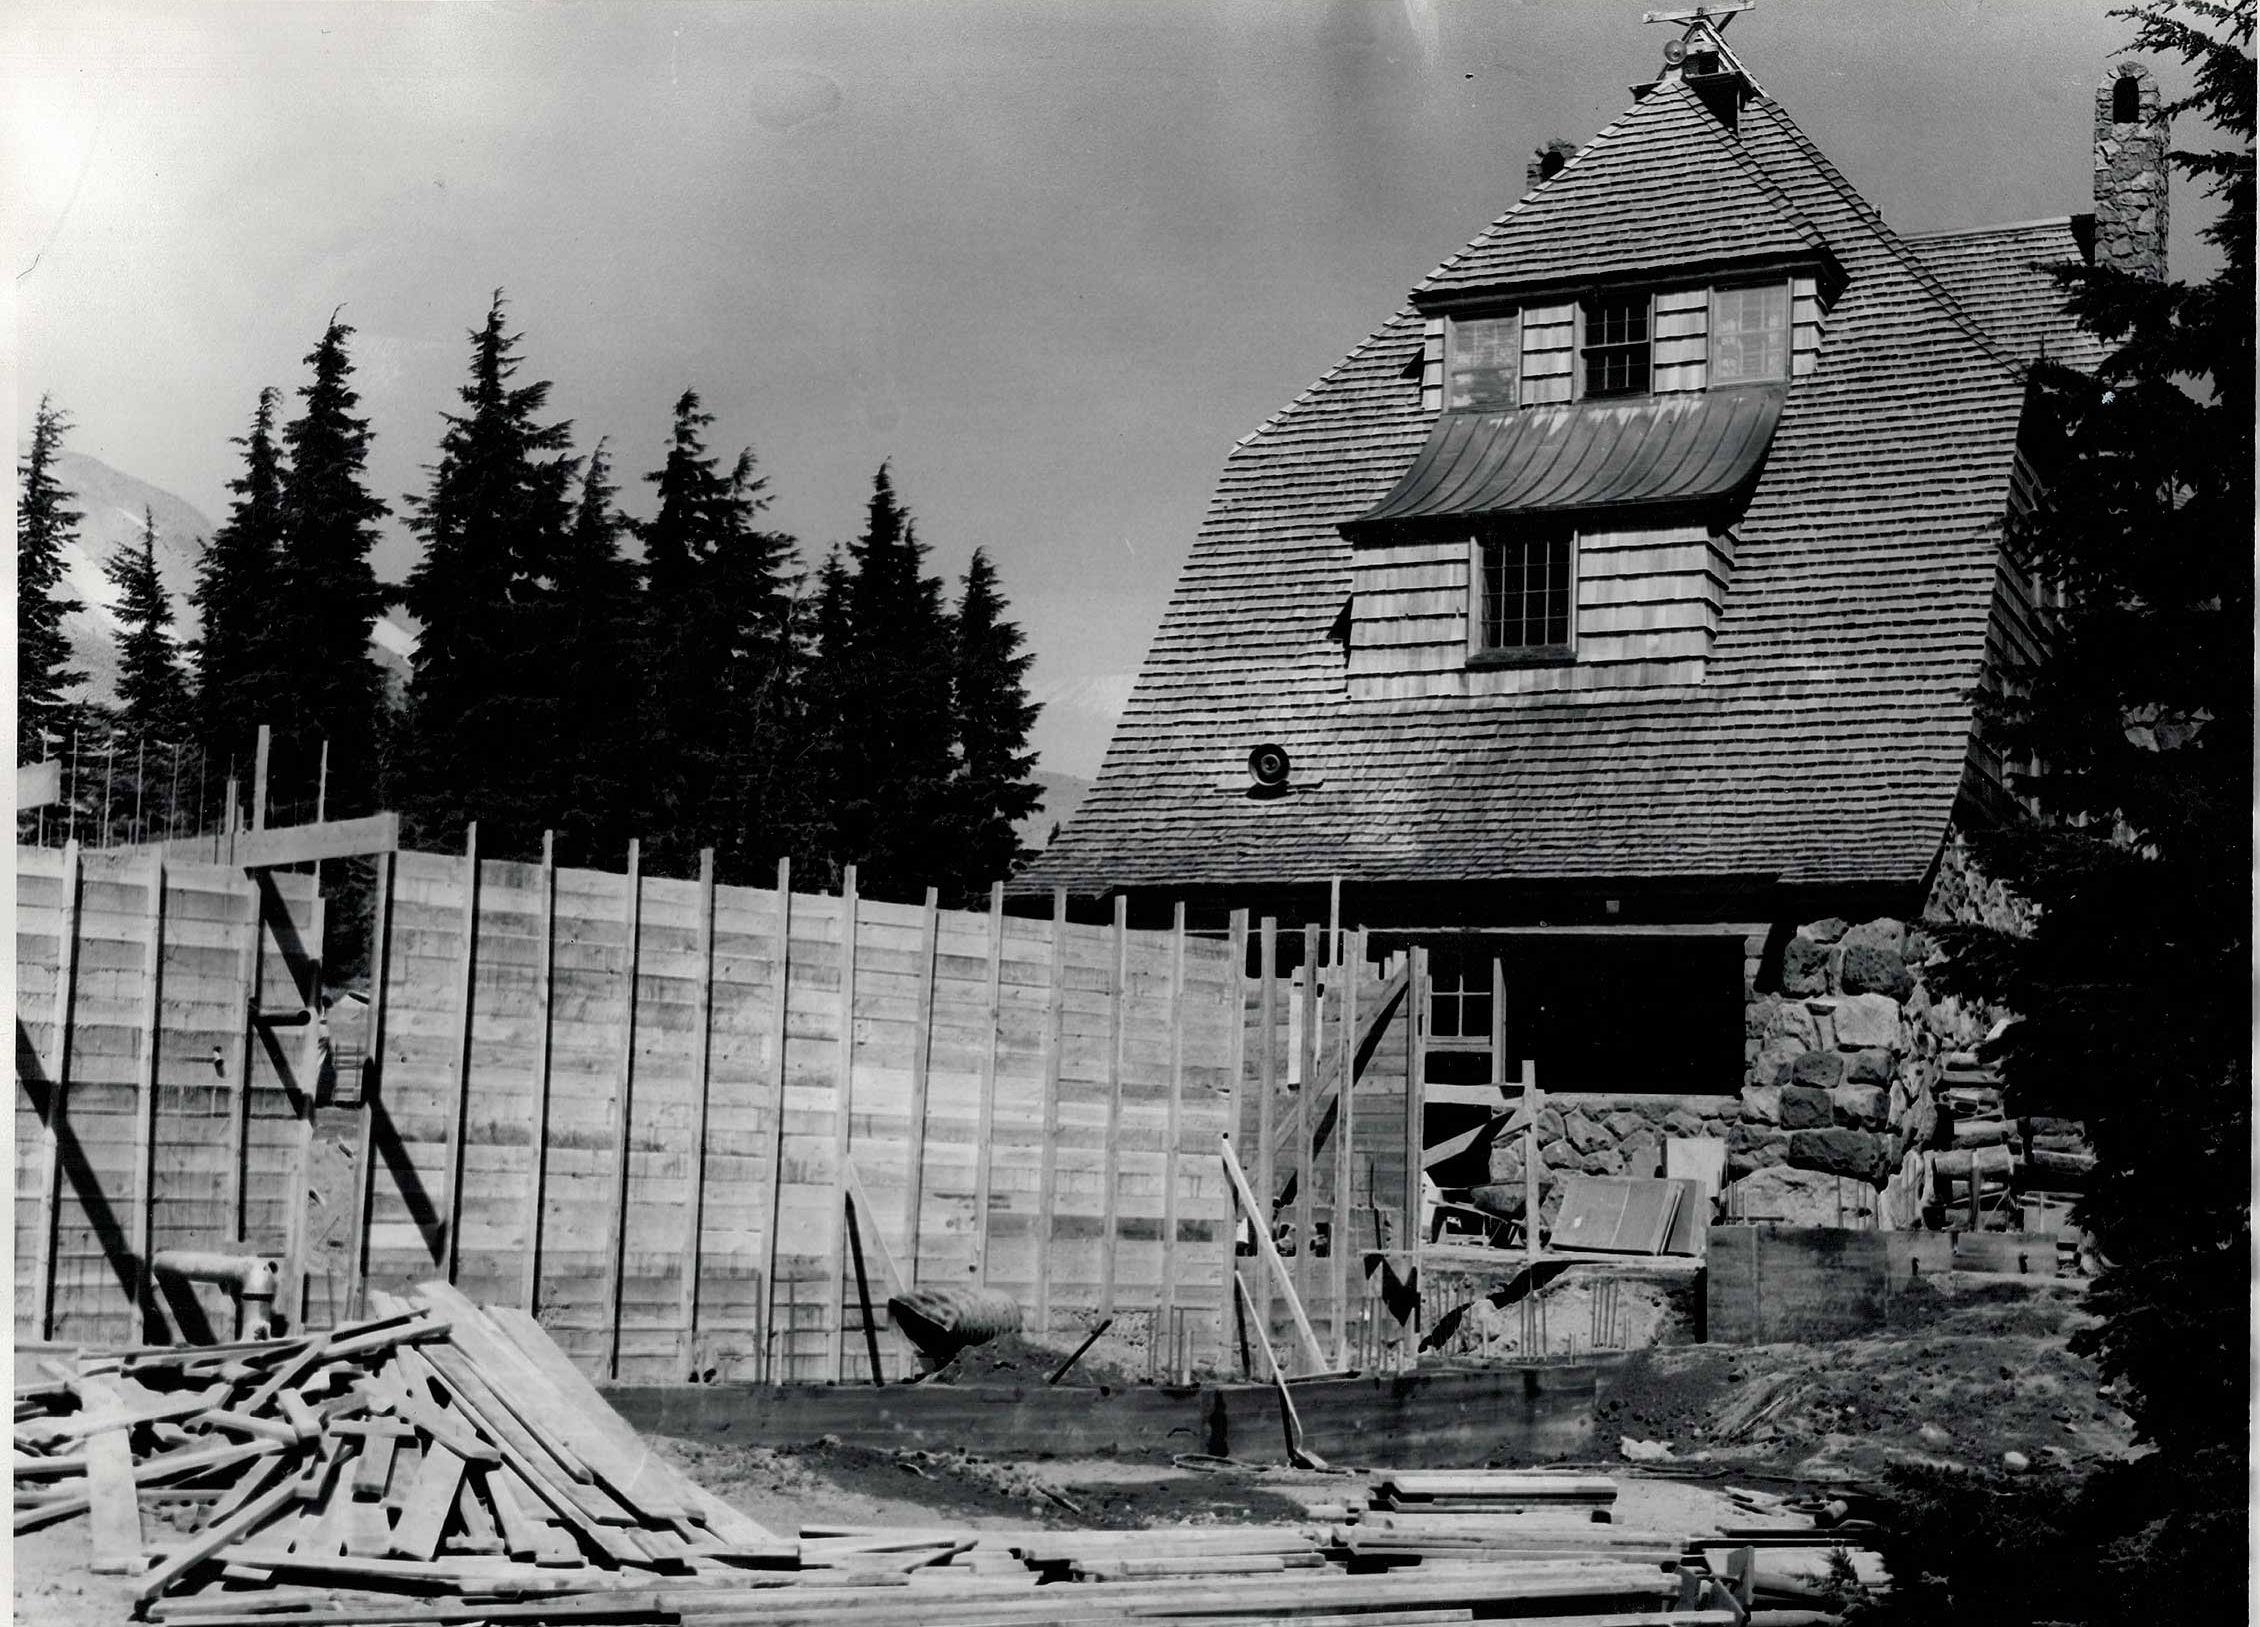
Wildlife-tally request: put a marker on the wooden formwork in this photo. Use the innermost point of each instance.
(626, 1102)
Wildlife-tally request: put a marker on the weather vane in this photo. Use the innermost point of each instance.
(1717, 15)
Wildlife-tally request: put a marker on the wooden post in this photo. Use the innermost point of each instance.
(1342, 1245)
(1306, 1124)
(292, 1300)
(1267, 1087)
(1416, 1142)
(58, 1093)
(1236, 1046)
(223, 835)
(145, 1102)
(843, 1129)
(373, 1084)
(259, 780)
(694, 1216)
(988, 1109)
(1050, 1162)
(537, 1145)
(1533, 1101)
(1275, 1266)
(921, 1059)
(780, 957)
(459, 1086)
(1334, 922)
(623, 1118)
(1165, 1316)
(1117, 992)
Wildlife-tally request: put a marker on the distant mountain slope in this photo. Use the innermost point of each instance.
(1063, 794)
(112, 502)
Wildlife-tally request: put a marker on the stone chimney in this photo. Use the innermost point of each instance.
(1547, 161)
(2130, 173)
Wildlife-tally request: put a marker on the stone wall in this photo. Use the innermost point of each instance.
(1845, 1048)
(1596, 1133)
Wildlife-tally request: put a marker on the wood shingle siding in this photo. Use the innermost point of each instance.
(1789, 702)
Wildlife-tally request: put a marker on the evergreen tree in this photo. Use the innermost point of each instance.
(326, 595)
(45, 524)
(241, 682)
(152, 690)
(991, 715)
(592, 620)
(886, 685)
(481, 737)
(719, 651)
(2132, 988)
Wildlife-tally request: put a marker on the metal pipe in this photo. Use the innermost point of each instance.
(252, 1280)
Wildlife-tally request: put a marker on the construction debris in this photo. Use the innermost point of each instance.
(444, 1463)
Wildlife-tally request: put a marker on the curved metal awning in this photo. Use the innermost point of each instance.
(1588, 454)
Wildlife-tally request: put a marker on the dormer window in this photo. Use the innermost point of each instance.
(1526, 575)
(1750, 334)
(1485, 370)
(1615, 352)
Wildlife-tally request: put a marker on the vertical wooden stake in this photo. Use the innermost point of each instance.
(694, 1216)
(292, 1300)
(1267, 1024)
(981, 1164)
(58, 1095)
(145, 1104)
(921, 1058)
(623, 1118)
(372, 1090)
(843, 1134)
(537, 1143)
(780, 956)
(1049, 1175)
(1236, 1062)
(1334, 922)
(1172, 1127)
(459, 1085)
(1306, 1120)
(1533, 1102)
(1342, 1245)
(322, 789)
(259, 780)
(1118, 982)
(254, 982)
(1416, 1139)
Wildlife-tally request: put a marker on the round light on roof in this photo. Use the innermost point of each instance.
(1269, 765)
(1675, 52)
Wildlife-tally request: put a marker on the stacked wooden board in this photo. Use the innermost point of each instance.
(444, 1463)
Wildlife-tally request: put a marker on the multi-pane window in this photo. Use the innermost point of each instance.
(1616, 345)
(1749, 334)
(1526, 591)
(1459, 998)
(1483, 364)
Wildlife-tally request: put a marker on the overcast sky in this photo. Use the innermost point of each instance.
(1050, 259)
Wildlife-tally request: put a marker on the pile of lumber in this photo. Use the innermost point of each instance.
(437, 1448)
(1796, 1561)
(444, 1463)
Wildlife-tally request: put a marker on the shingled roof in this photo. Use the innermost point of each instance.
(1999, 274)
(1829, 737)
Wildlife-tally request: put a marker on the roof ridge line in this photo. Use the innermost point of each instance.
(1988, 231)
(1738, 154)
(1893, 244)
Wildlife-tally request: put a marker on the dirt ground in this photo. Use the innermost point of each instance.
(1972, 1377)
